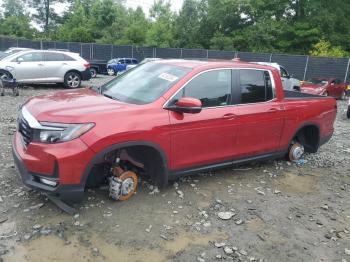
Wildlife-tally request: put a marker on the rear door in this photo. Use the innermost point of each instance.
(55, 66)
(260, 114)
(206, 137)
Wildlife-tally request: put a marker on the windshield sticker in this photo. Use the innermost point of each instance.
(168, 77)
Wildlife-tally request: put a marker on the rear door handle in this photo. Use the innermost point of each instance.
(229, 116)
(64, 64)
(40, 64)
(273, 110)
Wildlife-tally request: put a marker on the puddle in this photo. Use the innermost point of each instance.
(186, 240)
(293, 183)
(52, 248)
(255, 224)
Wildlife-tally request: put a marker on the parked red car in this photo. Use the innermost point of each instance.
(163, 119)
(325, 86)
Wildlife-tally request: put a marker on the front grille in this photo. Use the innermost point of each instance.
(25, 130)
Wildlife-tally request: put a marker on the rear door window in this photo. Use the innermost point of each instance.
(128, 61)
(54, 57)
(255, 86)
(134, 61)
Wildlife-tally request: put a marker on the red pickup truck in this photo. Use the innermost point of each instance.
(164, 119)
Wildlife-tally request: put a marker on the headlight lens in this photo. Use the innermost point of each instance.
(58, 132)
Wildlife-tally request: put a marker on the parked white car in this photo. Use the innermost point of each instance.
(288, 82)
(46, 66)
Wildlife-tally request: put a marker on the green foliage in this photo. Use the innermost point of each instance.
(317, 27)
(18, 26)
(324, 48)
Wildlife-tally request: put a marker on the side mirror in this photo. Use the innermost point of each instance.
(332, 84)
(187, 105)
(20, 59)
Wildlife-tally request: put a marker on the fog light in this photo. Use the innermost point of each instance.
(48, 182)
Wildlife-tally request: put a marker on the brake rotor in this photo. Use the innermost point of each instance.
(129, 185)
(295, 152)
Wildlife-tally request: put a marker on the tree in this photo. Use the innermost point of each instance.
(13, 8)
(160, 33)
(46, 16)
(16, 21)
(187, 24)
(75, 27)
(324, 48)
(135, 32)
(18, 26)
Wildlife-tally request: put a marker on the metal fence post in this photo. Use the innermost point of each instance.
(111, 51)
(306, 65)
(132, 51)
(347, 71)
(91, 51)
(207, 53)
(270, 58)
(155, 52)
(41, 44)
(181, 53)
(81, 49)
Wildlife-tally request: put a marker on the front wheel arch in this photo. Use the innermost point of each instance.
(161, 179)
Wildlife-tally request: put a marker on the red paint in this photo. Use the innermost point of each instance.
(213, 135)
(330, 87)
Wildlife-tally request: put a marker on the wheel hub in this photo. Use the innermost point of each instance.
(297, 152)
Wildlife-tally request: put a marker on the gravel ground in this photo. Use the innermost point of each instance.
(270, 211)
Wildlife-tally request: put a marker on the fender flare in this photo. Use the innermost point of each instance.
(305, 124)
(99, 157)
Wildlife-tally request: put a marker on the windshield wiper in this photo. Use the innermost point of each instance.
(111, 97)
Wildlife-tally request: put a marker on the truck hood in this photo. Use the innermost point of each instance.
(74, 106)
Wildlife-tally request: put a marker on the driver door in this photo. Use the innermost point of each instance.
(206, 137)
(29, 67)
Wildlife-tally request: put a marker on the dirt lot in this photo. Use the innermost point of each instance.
(279, 211)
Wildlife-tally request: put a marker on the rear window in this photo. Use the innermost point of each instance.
(145, 83)
(57, 57)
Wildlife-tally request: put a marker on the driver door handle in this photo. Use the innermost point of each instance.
(229, 116)
(40, 64)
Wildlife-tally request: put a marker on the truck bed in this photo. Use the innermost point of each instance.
(288, 94)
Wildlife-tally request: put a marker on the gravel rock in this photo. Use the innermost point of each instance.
(226, 215)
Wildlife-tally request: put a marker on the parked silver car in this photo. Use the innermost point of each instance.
(46, 66)
(288, 81)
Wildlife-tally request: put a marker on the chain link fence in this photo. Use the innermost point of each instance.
(302, 67)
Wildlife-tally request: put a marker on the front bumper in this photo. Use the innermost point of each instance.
(86, 74)
(37, 161)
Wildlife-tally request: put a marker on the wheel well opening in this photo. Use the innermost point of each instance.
(145, 161)
(309, 137)
(75, 71)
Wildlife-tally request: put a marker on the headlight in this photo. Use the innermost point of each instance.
(58, 132)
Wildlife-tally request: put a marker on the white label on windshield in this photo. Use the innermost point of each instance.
(168, 77)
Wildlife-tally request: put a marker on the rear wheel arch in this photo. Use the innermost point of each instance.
(160, 169)
(308, 135)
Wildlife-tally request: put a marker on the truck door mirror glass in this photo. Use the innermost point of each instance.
(20, 59)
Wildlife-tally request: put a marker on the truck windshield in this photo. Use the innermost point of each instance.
(144, 83)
